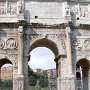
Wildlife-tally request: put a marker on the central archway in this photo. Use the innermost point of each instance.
(47, 44)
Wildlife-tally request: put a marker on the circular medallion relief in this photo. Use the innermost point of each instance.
(11, 43)
(1, 43)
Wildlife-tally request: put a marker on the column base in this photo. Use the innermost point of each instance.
(66, 83)
(20, 83)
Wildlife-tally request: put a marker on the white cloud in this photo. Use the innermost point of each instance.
(42, 58)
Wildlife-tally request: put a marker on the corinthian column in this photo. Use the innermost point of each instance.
(70, 77)
(59, 67)
(20, 50)
(20, 79)
(68, 50)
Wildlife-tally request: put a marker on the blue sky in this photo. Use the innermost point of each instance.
(42, 58)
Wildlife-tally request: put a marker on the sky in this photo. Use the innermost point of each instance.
(42, 58)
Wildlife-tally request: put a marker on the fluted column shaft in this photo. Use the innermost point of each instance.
(68, 50)
(20, 50)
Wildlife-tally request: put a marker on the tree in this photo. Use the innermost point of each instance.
(7, 83)
(34, 76)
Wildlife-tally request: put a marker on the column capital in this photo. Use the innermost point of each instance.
(58, 57)
(21, 22)
(20, 31)
(68, 32)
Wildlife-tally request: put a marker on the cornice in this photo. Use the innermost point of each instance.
(59, 0)
(80, 26)
(54, 26)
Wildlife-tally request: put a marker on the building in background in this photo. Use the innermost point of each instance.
(7, 72)
(50, 73)
(37, 70)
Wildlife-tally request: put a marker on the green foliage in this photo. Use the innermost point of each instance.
(34, 77)
(32, 81)
(43, 81)
(7, 83)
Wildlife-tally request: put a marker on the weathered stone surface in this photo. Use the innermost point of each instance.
(60, 25)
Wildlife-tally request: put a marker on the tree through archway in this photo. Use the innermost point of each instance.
(49, 44)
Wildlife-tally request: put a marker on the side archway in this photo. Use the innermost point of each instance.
(6, 74)
(82, 73)
(4, 61)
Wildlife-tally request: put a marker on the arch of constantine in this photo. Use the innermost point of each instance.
(63, 26)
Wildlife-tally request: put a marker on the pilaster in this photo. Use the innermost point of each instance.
(20, 50)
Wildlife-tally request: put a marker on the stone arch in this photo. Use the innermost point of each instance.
(83, 63)
(45, 43)
(2, 62)
(5, 61)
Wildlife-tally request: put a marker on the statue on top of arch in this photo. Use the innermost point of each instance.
(66, 8)
(20, 7)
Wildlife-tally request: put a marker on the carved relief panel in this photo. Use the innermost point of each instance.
(80, 10)
(8, 43)
(2, 8)
(11, 43)
(8, 49)
(12, 7)
(81, 47)
(84, 11)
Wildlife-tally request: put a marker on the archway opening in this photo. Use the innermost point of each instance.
(82, 74)
(47, 66)
(42, 63)
(44, 56)
(6, 74)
